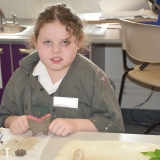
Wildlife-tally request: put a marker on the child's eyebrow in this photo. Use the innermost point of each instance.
(65, 38)
(50, 38)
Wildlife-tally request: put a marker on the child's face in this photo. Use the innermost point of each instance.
(56, 51)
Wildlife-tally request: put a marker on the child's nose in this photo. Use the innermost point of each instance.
(56, 49)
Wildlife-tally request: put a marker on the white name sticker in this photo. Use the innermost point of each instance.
(65, 102)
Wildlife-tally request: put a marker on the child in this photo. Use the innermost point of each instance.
(56, 79)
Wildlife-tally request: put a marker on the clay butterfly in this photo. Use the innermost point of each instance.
(39, 125)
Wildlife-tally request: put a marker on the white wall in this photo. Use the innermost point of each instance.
(29, 8)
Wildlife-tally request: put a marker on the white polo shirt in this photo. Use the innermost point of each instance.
(44, 78)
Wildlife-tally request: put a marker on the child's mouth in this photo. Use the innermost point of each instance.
(56, 60)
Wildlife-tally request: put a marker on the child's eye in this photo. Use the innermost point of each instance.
(47, 42)
(65, 43)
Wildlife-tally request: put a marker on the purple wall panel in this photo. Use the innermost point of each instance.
(5, 66)
(16, 55)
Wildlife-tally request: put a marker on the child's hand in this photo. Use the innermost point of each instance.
(19, 125)
(63, 126)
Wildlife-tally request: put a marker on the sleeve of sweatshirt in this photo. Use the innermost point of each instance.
(106, 112)
(8, 104)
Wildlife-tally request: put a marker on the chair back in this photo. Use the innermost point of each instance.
(141, 41)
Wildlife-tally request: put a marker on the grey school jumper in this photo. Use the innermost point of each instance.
(24, 95)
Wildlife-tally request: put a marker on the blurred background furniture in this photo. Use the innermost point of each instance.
(141, 42)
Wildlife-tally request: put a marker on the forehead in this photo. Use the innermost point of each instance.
(55, 28)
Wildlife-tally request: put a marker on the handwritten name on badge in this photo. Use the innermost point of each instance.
(65, 102)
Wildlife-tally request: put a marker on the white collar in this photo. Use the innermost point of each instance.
(39, 69)
(44, 78)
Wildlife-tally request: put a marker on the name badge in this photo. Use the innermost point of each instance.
(65, 102)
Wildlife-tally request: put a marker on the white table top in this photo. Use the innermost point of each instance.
(33, 145)
(111, 36)
(41, 147)
(56, 142)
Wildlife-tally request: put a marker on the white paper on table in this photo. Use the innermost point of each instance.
(95, 29)
(1, 84)
(129, 14)
(123, 5)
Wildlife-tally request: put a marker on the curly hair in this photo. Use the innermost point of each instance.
(60, 12)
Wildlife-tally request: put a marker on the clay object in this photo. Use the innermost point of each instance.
(78, 155)
(39, 125)
(20, 152)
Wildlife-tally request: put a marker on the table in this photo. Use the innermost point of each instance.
(41, 147)
(94, 18)
(33, 145)
(56, 142)
(111, 36)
